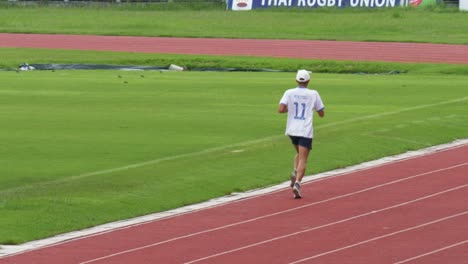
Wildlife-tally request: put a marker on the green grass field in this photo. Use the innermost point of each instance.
(82, 148)
(434, 24)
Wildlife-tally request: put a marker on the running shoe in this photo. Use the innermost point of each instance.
(297, 191)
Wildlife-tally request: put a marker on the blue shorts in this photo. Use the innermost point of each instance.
(301, 141)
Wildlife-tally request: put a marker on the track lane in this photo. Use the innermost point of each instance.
(320, 245)
(302, 49)
(396, 247)
(168, 229)
(457, 253)
(251, 232)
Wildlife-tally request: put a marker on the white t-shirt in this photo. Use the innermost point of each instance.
(301, 104)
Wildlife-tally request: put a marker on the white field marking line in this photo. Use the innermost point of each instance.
(398, 139)
(432, 252)
(137, 165)
(326, 225)
(142, 220)
(264, 216)
(393, 112)
(380, 237)
(210, 150)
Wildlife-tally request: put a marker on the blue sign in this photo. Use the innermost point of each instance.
(253, 4)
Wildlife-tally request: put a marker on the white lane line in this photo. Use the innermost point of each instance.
(326, 225)
(281, 237)
(211, 150)
(380, 237)
(271, 215)
(125, 224)
(432, 252)
(338, 222)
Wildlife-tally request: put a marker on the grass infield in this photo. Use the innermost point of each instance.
(82, 148)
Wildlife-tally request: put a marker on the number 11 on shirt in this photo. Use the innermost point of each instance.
(302, 117)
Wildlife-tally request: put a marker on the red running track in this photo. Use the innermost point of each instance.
(408, 211)
(303, 49)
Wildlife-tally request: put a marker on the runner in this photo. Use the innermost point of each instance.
(300, 103)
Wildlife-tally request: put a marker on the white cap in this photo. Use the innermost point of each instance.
(303, 75)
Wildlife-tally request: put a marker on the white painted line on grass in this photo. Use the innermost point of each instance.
(394, 112)
(323, 226)
(211, 150)
(124, 224)
(136, 165)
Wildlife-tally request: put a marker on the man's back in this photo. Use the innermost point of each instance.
(301, 103)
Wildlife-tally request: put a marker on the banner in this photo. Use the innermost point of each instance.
(240, 5)
(463, 4)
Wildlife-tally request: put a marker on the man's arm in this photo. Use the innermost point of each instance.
(282, 108)
(321, 112)
(319, 105)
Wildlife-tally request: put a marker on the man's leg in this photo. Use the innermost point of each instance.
(296, 160)
(303, 154)
(294, 172)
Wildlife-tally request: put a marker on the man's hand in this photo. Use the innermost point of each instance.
(282, 108)
(321, 113)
